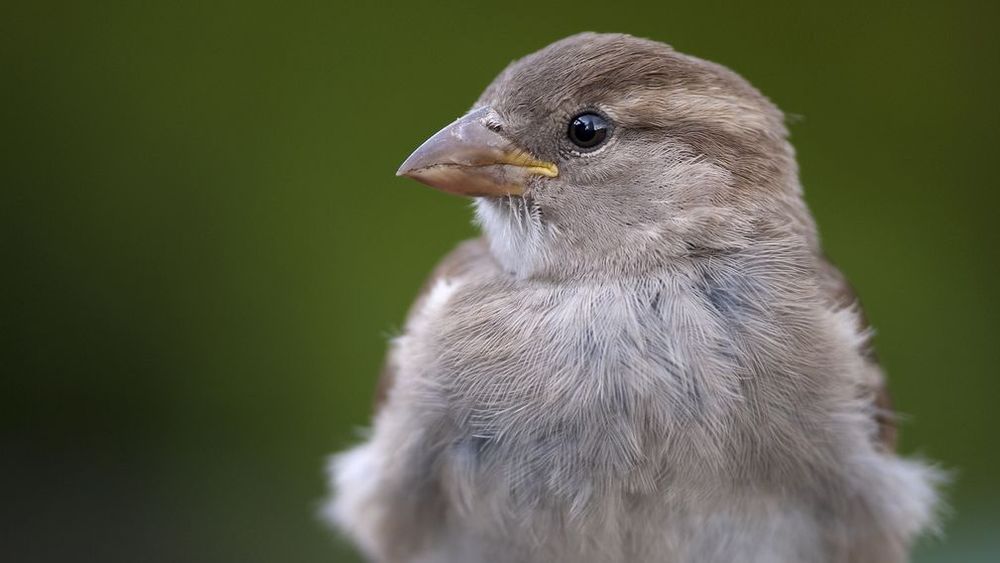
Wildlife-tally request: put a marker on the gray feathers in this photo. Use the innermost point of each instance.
(646, 360)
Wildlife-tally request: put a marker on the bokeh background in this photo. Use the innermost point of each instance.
(205, 247)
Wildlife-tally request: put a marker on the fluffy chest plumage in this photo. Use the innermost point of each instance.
(643, 421)
(564, 392)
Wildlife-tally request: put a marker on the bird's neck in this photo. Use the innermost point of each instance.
(527, 247)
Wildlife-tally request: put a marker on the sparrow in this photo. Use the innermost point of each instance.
(646, 357)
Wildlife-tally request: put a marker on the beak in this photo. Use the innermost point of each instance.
(469, 157)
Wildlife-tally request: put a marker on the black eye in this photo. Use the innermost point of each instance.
(588, 130)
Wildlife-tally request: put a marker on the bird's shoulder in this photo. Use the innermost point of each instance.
(840, 296)
(469, 257)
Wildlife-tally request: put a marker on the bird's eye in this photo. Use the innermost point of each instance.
(588, 130)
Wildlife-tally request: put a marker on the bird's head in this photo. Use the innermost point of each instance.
(610, 154)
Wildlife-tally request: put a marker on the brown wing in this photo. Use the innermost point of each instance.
(468, 256)
(841, 295)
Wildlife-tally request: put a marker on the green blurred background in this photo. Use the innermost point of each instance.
(206, 248)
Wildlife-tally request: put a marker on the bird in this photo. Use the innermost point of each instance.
(645, 357)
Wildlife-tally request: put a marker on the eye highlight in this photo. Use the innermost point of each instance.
(588, 130)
